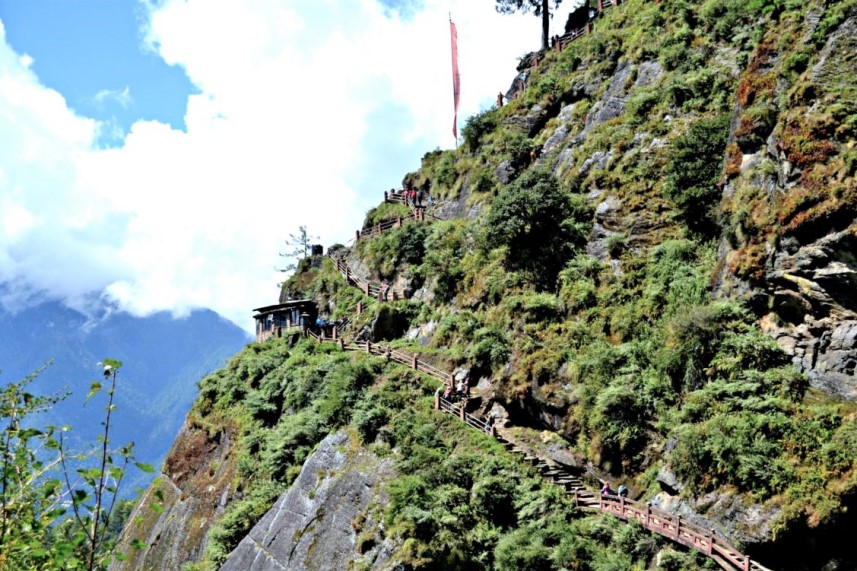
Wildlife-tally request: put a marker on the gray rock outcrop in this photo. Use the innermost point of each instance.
(328, 518)
(806, 290)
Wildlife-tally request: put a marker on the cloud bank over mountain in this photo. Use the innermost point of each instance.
(304, 113)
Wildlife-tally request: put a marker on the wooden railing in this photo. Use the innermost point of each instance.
(675, 528)
(409, 360)
(370, 289)
(663, 523)
(459, 409)
(398, 222)
(671, 526)
(561, 42)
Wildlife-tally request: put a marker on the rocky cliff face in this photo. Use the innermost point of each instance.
(177, 511)
(790, 201)
(329, 518)
(622, 366)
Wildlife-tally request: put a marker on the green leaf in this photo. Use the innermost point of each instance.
(147, 468)
(94, 389)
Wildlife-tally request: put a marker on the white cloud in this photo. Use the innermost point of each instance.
(306, 111)
(122, 97)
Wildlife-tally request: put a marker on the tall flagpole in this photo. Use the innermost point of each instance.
(456, 78)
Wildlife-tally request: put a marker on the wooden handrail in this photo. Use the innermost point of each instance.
(370, 289)
(663, 523)
(387, 224)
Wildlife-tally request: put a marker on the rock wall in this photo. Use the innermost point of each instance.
(797, 266)
(331, 515)
(177, 510)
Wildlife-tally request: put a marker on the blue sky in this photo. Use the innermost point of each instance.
(156, 155)
(93, 53)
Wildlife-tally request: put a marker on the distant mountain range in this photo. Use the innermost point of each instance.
(163, 358)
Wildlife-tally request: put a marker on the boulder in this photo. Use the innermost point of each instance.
(324, 520)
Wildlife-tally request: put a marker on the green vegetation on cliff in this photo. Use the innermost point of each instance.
(461, 501)
(589, 225)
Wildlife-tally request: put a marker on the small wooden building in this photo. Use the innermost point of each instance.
(274, 320)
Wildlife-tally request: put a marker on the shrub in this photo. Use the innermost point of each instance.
(692, 171)
(539, 225)
(478, 126)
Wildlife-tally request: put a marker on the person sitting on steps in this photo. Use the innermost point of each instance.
(623, 491)
(606, 490)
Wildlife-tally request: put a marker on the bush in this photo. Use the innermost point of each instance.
(540, 226)
(693, 169)
(477, 126)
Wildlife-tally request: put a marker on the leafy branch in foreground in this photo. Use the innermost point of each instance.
(37, 529)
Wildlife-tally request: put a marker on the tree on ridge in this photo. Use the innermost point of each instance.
(539, 8)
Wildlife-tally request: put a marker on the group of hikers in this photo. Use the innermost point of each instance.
(414, 198)
(325, 326)
(459, 390)
(606, 490)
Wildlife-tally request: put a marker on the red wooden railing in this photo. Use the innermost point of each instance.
(418, 215)
(561, 42)
(675, 528)
(409, 360)
(671, 526)
(370, 289)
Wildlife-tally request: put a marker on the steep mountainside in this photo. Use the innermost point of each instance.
(643, 265)
(163, 358)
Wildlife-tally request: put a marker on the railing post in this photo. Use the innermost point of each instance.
(437, 399)
(366, 289)
(622, 505)
(357, 235)
(678, 528)
(414, 362)
(359, 307)
(463, 406)
(398, 221)
(334, 332)
(648, 515)
(347, 274)
(368, 346)
(342, 344)
(600, 5)
(588, 28)
(746, 563)
(385, 196)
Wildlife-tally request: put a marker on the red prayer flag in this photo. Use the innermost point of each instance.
(456, 79)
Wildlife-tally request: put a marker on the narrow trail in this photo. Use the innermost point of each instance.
(667, 525)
